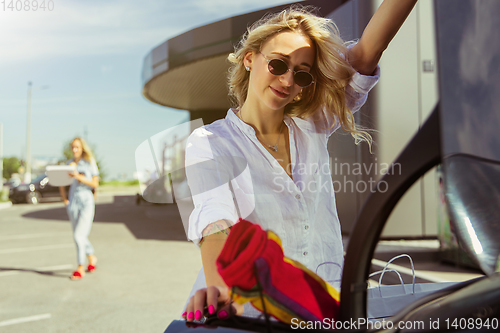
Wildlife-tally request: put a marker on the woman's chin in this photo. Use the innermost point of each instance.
(277, 104)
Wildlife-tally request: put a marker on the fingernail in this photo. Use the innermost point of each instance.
(184, 314)
(197, 315)
(223, 314)
(190, 316)
(211, 309)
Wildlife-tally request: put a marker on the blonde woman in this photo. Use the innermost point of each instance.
(80, 204)
(294, 82)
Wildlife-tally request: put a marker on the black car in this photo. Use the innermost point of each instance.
(34, 192)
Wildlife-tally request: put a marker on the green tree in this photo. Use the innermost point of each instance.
(10, 166)
(68, 154)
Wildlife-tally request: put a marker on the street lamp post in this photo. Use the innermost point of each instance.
(27, 170)
(27, 173)
(1, 158)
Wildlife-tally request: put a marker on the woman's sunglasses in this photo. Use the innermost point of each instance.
(279, 67)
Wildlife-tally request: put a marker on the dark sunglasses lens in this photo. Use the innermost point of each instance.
(303, 79)
(277, 67)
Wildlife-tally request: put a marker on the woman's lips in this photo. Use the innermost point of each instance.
(279, 93)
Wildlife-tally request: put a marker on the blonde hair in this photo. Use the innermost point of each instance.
(331, 70)
(86, 151)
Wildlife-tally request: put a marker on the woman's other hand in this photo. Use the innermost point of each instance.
(210, 301)
(62, 191)
(76, 175)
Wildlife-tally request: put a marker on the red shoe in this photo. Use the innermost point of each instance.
(76, 275)
(90, 268)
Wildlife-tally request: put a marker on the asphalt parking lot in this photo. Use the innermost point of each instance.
(144, 273)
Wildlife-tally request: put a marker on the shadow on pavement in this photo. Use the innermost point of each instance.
(58, 274)
(158, 222)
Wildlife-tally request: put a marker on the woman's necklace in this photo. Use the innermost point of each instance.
(275, 147)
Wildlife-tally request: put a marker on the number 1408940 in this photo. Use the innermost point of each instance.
(27, 5)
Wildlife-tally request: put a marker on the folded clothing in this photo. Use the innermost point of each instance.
(252, 264)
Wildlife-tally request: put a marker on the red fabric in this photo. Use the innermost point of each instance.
(246, 243)
(249, 253)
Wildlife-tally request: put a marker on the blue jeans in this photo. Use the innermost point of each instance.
(81, 210)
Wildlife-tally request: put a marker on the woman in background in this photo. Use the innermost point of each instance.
(80, 204)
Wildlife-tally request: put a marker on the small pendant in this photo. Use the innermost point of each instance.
(274, 148)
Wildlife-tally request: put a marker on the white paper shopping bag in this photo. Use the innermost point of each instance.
(386, 301)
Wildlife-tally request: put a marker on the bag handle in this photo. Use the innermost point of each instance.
(389, 262)
(389, 270)
(329, 263)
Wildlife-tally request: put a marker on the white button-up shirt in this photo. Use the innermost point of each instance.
(231, 175)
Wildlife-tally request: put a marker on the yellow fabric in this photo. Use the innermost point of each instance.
(272, 236)
(332, 291)
(281, 314)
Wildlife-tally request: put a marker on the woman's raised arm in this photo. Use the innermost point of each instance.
(379, 32)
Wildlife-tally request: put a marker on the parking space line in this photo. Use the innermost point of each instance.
(24, 319)
(16, 271)
(36, 248)
(29, 236)
(55, 268)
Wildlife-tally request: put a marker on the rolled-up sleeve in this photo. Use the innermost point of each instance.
(208, 180)
(94, 171)
(359, 87)
(356, 94)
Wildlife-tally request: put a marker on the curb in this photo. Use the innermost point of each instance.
(116, 193)
(5, 204)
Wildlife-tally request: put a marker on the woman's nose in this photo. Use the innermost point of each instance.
(287, 78)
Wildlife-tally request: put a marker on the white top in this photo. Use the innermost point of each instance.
(89, 170)
(302, 211)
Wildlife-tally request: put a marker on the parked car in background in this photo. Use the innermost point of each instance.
(34, 192)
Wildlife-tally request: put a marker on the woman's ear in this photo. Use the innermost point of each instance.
(248, 59)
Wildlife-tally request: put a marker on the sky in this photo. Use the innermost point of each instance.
(84, 59)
